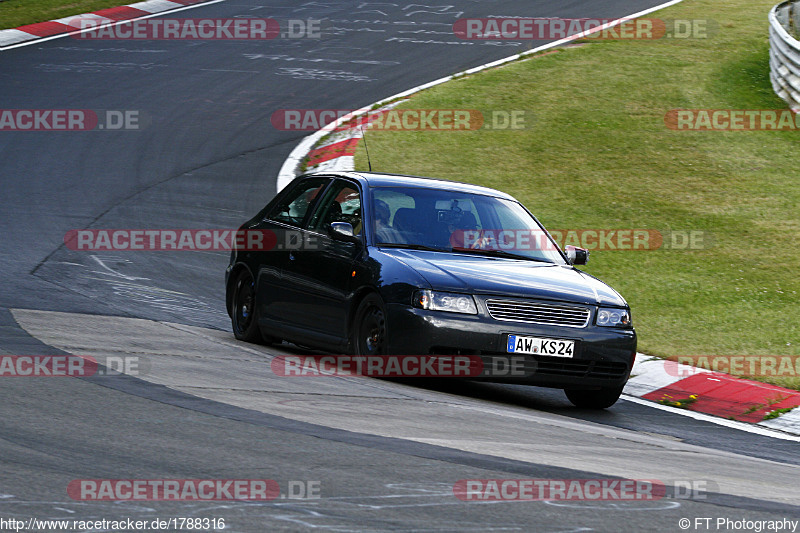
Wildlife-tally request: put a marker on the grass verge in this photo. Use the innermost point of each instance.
(600, 156)
(14, 13)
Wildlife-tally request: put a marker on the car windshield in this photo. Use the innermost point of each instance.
(451, 221)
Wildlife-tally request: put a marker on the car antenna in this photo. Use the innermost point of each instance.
(364, 136)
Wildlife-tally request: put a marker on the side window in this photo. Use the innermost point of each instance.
(294, 207)
(342, 203)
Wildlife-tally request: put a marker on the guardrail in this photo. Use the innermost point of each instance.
(784, 52)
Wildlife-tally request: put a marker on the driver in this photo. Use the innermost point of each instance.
(384, 232)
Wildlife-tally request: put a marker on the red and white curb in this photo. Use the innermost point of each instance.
(715, 393)
(337, 150)
(52, 29)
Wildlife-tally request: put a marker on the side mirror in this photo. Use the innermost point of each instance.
(343, 231)
(576, 256)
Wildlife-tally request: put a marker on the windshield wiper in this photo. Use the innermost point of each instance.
(409, 246)
(500, 253)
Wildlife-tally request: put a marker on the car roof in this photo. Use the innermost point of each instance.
(381, 179)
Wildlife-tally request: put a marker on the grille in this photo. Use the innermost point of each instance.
(589, 369)
(561, 367)
(534, 313)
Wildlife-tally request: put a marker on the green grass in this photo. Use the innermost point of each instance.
(777, 413)
(600, 156)
(15, 13)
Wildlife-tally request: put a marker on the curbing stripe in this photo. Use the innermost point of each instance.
(54, 29)
(342, 161)
(121, 13)
(155, 6)
(45, 29)
(333, 151)
(13, 36)
(72, 21)
(652, 373)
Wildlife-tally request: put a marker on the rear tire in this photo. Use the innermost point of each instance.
(244, 315)
(594, 399)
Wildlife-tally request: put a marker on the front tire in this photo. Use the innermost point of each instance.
(594, 399)
(369, 327)
(244, 317)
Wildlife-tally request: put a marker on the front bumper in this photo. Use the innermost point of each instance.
(603, 357)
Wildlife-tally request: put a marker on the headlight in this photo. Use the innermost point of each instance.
(445, 301)
(614, 318)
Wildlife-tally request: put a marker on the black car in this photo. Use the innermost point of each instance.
(370, 263)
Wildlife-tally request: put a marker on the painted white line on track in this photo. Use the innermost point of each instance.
(287, 171)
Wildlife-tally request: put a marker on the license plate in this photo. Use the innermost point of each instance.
(540, 346)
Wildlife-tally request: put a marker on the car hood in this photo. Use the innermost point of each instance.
(506, 277)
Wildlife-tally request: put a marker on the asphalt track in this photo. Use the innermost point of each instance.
(386, 453)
